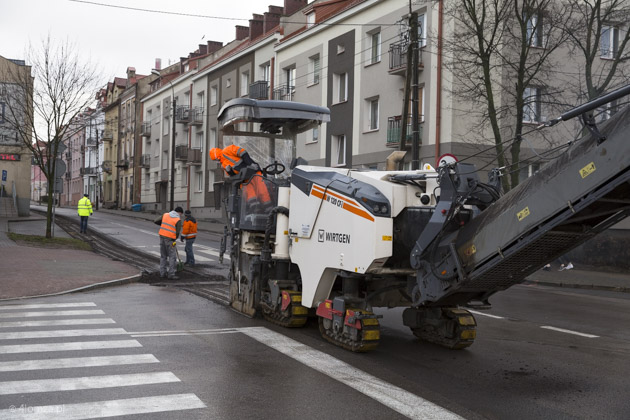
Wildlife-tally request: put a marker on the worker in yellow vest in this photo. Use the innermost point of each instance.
(189, 233)
(85, 210)
(170, 227)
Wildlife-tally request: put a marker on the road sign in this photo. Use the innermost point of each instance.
(58, 187)
(446, 159)
(60, 167)
(61, 148)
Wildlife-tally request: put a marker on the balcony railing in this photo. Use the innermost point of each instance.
(181, 152)
(68, 175)
(398, 58)
(284, 93)
(194, 156)
(146, 129)
(87, 171)
(164, 175)
(90, 142)
(394, 130)
(107, 166)
(145, 161)
(108, 135)
(182, 115)
(123, 163)
(259, 90)
(196, 116)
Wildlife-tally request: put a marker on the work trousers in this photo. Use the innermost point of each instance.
(190, 257)
(84, 220)
(168, 257)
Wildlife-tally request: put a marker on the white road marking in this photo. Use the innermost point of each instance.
(86, 382)
(79, 345)
(183, 332)
(198, 258)
(154, 253)
(570, 332)
(485, 314)
(211, 251)
(56, 322)
(47, 305)
(74, 362)
(61, 333)
(50, 313)
(135, 228)
(112, 408)
(396, 398)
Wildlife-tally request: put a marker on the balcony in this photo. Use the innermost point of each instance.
(284, 93)
(194, 157)
(181, 152)
(107, 166)
(146, 129)
(398, 58)
(68, 156)
(87, 171)
(259, 90)
(123, 163)
(145, 161)
(67, 175)
(394, 130)
(196, 116)
(90, 142)
(182, 115)
(164, 175)
(108, 135)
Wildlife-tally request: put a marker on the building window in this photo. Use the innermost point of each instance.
(372, 107)
(289, 77)
(422, 30)
(535, 30)
(166, 125)
(339, 150)
(157, 147)
(213, 138)
(340, 48)
(609, 41)
(199, 176)
(312, 136)
(184, 171)
(201, 99)
(313, 70)
(228, 83)
(375, 48)
(340, 87)
(265, 72)
(213, 95)
(532, 106)
(244, 83)
(310, 20)
(147, 181)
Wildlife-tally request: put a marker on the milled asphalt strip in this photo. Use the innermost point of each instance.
(56, 322)
(75, 362)
(61, 333)
(86, 382)
(47, 305)
(570, 332)
(51, 313)
(80, 345)
(396, 398)
(112, 408)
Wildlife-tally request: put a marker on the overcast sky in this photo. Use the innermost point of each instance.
(119, 38)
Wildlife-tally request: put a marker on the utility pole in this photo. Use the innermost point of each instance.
(415, 139)
(98, 175)
(174, 101)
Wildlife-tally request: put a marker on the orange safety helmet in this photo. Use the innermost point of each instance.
(215, 153)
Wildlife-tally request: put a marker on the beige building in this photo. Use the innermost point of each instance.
(111, 134)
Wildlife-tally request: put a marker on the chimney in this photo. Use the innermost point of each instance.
(214, 46)
(203, 49)
(292, 6)
(158, 64)
(272, 18)
(242, 32)
(255, 26)
(131, 73)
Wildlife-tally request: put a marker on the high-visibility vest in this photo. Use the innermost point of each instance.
(168, 227)
(84, 207)
(189, 230)
(232, 157)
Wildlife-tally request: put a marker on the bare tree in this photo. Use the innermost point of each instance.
(501, 55)
(62, 85)
(598, 31)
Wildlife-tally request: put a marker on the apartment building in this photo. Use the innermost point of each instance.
(111, 135)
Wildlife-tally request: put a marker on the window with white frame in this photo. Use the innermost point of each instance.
(213, 95)
(157, 111)
(313, 70)
(289, 88)
(372, 111)
(198, 142)
(422, 30)
(339, 150)
(213, 138)
(375, 47)
(340, 48)
(166, 125)
(199, 178)
(340, 87)
(535, 29)
(310, 19)
(244, 83)
(157, 147)
(201, 100)
(533, 106)
(228, 82)
(184, 178)
(265, 72)
(609, 41)
(147, 181)
(312, 136)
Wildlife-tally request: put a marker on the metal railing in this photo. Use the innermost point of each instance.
(194, 156)
(164, 175)
(394, 129)
(181, 152)
(87, 171)
(284, 93)
(145, 160)
(182, 114)
(146, 129)
(259, 90)
(107, 166)
(398, 56)
(196, 116)
(108, 135)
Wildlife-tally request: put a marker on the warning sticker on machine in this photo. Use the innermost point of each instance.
(342, 238)
(522, 214)
(587, 170)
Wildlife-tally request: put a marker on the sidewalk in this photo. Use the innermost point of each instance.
(33, 271)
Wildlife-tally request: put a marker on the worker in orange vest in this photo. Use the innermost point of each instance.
(189, 233)
(233, 159)
(170, 227)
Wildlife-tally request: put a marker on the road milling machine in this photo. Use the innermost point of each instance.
(338, 242)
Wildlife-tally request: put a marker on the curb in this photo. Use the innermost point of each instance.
(578, 286)
(108, 283)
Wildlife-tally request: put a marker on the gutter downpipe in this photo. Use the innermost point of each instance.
(438, 115)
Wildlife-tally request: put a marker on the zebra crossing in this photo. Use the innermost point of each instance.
(203, 254)
(67, 361)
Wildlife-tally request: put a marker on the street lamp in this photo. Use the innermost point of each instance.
(174, 105)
